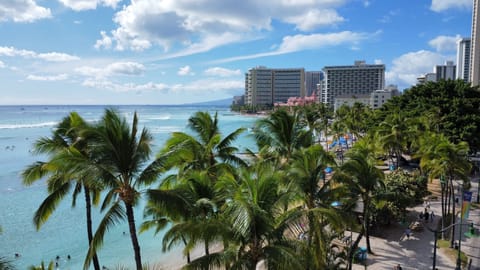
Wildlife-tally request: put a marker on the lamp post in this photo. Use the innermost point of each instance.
(435, 233)
(459, 262)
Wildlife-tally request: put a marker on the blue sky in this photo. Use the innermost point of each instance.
(182, 51)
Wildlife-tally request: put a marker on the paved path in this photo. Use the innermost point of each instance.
(471, 245)
(416, 252)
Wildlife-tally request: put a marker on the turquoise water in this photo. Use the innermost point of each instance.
(64, 233)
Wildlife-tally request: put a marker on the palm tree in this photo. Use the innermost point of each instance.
(255, 214)
(282, 132)
(122, 155)
(191, 206)
(205, 147)
(63, 175)
(364, 181)
(442, 158)
(393, 135)
(306, 173)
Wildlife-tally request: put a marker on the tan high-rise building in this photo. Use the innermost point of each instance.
(267, 86)
(475, 45)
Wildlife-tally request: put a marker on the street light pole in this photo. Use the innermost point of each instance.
(459, 261)
(435, 233)
(434, 250)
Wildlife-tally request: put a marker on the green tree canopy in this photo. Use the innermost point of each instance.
(453, 107)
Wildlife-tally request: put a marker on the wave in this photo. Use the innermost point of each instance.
(161, 117)
(166, 129)
(17, 126)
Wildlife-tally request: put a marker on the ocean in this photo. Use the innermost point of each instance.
(65, 232)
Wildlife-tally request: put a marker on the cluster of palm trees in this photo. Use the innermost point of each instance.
(275, 207)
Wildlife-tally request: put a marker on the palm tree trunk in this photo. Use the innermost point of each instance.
(443, 210)
(88, 206)
(366, 226)
(453, 213)
(351, 251)
(133, 235)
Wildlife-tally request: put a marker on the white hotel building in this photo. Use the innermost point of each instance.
(348, 81)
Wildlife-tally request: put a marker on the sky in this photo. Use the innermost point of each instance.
(187, 51)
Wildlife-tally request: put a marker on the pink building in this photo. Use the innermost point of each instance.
(299, 101)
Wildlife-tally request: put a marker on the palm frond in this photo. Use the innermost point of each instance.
(114, 215)
(48, 206)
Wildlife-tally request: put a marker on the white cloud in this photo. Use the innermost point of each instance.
(126, 87)
(184, 71)
(226, 87)
(51, 56)
(442, 5)
(22, 11)
(57, 57)
(210, 86)
(105, 42)
(296, 43)
(113, 69)
(126, 68)
(315, 18)
(79, 5)
(407, 68)
(444, 43)
(60, 77)
(2, 65)
(146, 23)
(315, 41)
(222, 72)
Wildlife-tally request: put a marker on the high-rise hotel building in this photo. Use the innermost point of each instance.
(475, 46)
(463, 59)
(267, 86)
(359, 79)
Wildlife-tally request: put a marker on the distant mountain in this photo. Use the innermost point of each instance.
(219, 102)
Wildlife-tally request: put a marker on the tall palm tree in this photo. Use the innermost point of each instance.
(442, 158)
(191, 206)
(123, 156)
(205, 147)
(62, 172)
(198, 159)
(255, 213)
(282, 132)
(364, 180)
(393, 135)
(357, 118)
(306, 174)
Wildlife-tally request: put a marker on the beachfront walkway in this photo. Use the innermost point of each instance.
(471, 245)
(392, 249)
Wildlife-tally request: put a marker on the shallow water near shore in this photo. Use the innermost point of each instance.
(65, 232)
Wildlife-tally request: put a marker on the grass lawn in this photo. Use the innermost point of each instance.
(451, 252)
